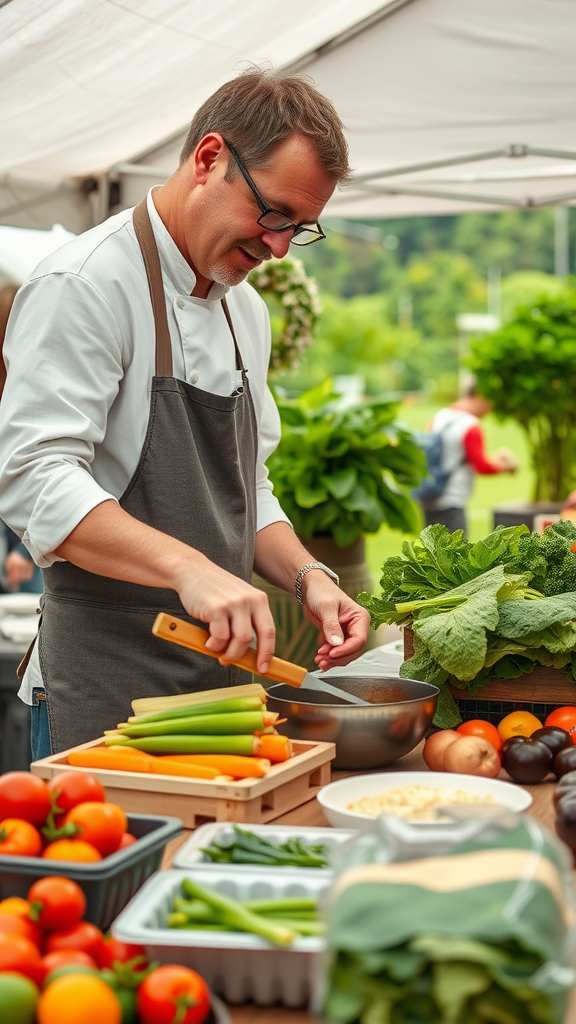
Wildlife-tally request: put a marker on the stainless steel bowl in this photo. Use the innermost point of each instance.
(399, 713)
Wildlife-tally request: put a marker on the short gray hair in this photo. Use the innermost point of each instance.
(260, 108)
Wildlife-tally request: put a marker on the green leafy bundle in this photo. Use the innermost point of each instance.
(342, 472)
(484, 611)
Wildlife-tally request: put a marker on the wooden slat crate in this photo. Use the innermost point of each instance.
(539, 691)
(197, 801)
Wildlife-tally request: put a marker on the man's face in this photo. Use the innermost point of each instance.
(223, 240)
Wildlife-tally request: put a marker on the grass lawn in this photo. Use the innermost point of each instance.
(488, 491)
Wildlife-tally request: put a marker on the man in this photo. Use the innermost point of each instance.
(136, 420)
(463, 456)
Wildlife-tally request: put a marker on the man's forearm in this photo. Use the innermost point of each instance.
(110, 542)
(279, 555)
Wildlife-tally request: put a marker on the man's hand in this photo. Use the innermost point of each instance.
(344, 624)
(233, 610)
(17, 570)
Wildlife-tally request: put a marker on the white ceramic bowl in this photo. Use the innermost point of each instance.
(335, 797)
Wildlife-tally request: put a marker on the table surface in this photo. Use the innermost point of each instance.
(311, 814)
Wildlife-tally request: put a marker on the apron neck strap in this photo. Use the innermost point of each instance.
(239, 363)
(147, 242)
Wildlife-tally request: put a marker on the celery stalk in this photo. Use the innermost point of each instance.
(188, 744)
(232, 912)
(151, 705)
(207, 725)
(212, 708)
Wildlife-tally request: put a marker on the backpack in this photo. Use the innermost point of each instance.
(434, 485)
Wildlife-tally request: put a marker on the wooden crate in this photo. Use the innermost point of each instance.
(197, 801)
(539, 691)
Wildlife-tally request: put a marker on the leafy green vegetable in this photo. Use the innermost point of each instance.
(490, 610)
(345, 471)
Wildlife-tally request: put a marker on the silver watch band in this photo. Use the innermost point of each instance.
(307, 568)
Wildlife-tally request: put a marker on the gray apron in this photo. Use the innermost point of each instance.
(196, 481)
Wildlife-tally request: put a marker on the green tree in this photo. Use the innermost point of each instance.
(528, 371)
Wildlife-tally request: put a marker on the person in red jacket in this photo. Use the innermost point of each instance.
(463, 456)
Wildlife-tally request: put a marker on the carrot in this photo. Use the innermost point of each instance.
(275, 747)
(228, 764)
(126, 759)
(119, 759)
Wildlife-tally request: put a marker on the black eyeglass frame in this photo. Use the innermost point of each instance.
(296, 229)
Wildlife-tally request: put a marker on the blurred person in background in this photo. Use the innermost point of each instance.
(463, 456)
(18, 571)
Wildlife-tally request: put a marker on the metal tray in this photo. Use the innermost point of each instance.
(190, 854)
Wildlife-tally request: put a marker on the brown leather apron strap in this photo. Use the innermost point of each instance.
(239, 362)
(145, 236)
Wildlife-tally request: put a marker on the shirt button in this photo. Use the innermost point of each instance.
(180, 303)
(193, 378)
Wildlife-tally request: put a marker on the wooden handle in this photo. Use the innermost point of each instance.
(167, 627)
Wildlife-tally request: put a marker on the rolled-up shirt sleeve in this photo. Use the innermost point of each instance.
(63, 352)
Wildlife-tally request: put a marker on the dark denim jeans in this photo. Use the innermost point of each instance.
(39, 727)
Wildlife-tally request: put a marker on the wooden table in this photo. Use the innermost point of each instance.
(311, 814)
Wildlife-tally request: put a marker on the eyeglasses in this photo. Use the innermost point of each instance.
(273, 220)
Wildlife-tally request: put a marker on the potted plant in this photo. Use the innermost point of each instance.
(339, 472)
(527, 369)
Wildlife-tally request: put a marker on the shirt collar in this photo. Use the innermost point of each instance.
(174, 266)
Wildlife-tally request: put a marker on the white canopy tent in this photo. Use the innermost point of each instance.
(449, 105)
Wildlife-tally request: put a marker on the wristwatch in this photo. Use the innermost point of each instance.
(307, 568)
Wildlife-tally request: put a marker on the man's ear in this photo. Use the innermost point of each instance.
(209, 155)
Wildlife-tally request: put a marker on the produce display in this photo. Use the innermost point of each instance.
(279, 920)
(484, 611)
(248, 848)
(216, 735)
(67, 818)
(56, 968)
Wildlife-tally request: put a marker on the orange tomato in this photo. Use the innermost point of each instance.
(78, 997)
(20, 838)
(564, 718)
(102, 825)
(518, 723)
(11, 924)
(72, 849)
(21, 955)
(486, 731)
(15, 905)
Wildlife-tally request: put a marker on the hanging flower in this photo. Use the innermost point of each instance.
(287, 281)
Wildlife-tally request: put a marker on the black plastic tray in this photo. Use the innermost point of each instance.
(108, 884)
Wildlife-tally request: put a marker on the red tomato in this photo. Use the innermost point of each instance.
(102, 825)
(21, 955)
(486, 731)
(120, 952)
(57, 903)
(19, 838)
(12, 924)
(127, 840)
(564, 718)
(23, 795)
(172, 993)
(71, 788)
(84, 936)
(61, 957)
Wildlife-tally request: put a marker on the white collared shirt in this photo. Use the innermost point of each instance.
(80, 352)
